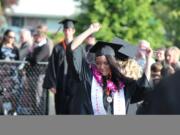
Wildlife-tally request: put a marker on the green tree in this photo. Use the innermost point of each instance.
(170, 16)
(130, 20)
(56, 37)
(3, 5)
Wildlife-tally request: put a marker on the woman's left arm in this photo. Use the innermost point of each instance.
(142, 85)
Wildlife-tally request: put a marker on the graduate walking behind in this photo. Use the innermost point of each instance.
(57, 68)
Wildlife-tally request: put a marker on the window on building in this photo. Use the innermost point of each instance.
(18, 21)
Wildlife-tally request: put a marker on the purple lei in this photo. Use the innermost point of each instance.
(110, 85)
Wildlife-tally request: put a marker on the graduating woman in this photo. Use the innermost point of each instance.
(104, 89)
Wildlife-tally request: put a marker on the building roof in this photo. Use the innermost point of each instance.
(43, 8)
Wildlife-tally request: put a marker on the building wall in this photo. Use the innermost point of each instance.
(32, 22)
(53, 24)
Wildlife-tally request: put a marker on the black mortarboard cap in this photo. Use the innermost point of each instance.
(105, 48)
(127, 50)
(68, 23)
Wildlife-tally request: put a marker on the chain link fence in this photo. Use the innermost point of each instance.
(21, 91)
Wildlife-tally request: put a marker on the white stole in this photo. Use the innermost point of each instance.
(97, 100)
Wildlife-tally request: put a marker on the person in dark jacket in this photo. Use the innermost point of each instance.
(164, 100)
(44, 29)
(39, 52)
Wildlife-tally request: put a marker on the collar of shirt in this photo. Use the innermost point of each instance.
(43, 42)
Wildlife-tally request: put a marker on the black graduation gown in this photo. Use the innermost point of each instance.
(73, 90)
(134, 90)
(55, 76)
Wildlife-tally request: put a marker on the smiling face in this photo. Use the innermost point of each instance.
(103, 65)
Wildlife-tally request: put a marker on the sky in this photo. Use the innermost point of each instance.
(46, 7)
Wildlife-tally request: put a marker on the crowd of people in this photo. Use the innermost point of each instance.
(33, 47)
(98, 77)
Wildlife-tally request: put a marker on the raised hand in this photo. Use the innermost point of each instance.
(149, 53)
(94, 27)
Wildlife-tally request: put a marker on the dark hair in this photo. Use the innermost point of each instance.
(116, 75)
(156, 67)
(4, 36)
